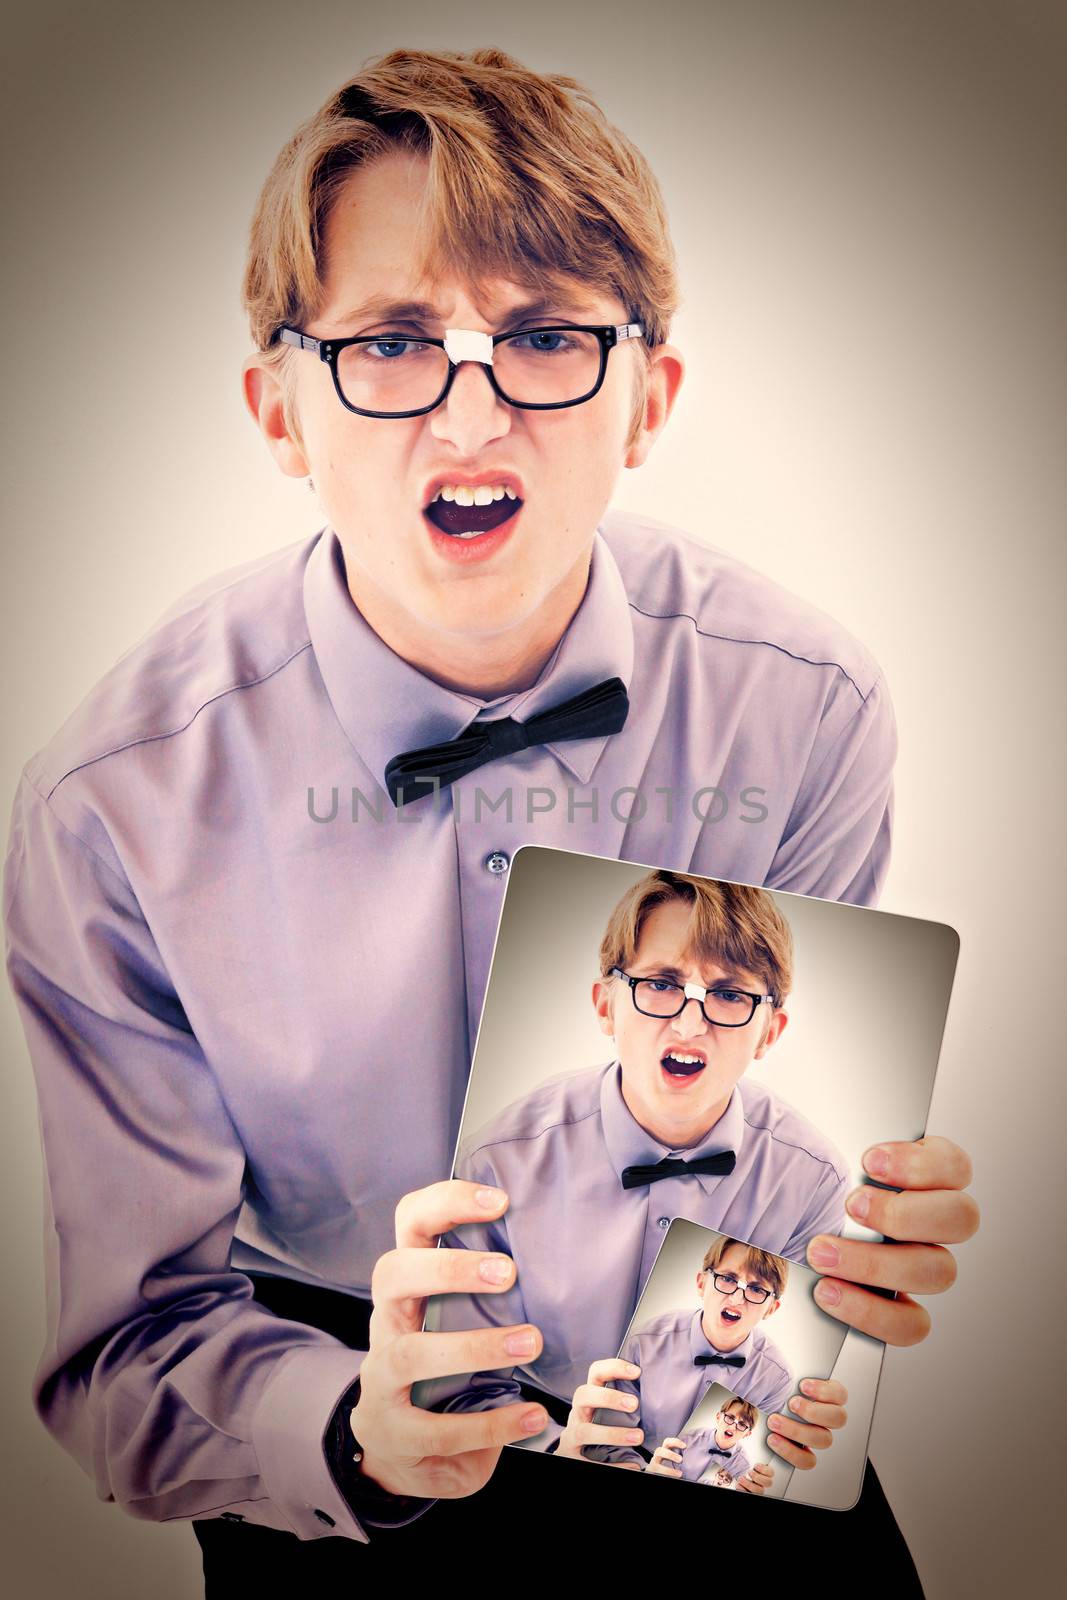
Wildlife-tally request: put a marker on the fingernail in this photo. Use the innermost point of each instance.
(497, 1269)
(635, 1372)
(520, 1344)
(490, 1199)
(775, 1421)
(534, 1421)
(809, 1386)
(634, 1435)
(858, 1203)
(630, 1402)
(876, 1161)
(827, 1293)
(796, 1404)
(823, 1253)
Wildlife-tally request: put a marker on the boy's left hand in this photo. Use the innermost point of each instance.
(929, 1212)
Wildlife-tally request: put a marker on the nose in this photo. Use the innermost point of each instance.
(472, 414)
(737, 1289)
(690, 1023)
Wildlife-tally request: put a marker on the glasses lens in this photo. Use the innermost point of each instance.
(728, 1008)
(740, 1425)
(391, 375)
(657, 998)
(547, 366)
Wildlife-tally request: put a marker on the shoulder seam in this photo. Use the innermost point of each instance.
(824, 1161)
(150, 738)
(706, 633)
(526, 1138)
(85, 845)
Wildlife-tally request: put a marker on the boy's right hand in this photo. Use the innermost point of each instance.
(427, 1454)
(592, 1396)
(666, 1459)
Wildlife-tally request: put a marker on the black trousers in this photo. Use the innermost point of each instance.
(540, 1520)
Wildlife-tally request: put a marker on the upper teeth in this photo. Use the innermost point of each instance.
(687, 1061)
(484, 495)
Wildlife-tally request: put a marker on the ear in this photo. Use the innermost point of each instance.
(702, 1279)
(265, 399)
(771, 1309)
(777, 1027)
(665, 374)
(604, 1005)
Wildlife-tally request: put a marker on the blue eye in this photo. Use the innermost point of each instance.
(547, 343)
(733, 997)
(390, 349)
(660, 985)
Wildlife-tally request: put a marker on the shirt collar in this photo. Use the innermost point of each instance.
(629, 1145)
(385, 705)
(700, 1344)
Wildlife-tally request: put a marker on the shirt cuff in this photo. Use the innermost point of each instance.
(288, 1435)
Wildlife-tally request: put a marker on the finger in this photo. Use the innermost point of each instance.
(403, 1278)
(827, 1389)
(424, 1214)
(606, 1371)
(584, 1433)
(929, 1216)
(412, 1357)
(416, 1433)
(592, 1397)
(663, 1454)
(815, 1411)
(796, 1454)
(916, 1268)
(665, 1472)
(901, 1321)
(930, 1163)
(805, 1433)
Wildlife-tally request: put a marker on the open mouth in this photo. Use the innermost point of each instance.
(465, 513)
(680, 1065)
(729, 1316)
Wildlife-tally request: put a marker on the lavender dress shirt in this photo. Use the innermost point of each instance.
(671, 1385)
(584, 1245)
(214, 944)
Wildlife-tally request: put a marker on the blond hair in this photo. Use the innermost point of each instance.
(775, 1269)
(729, 923)
(743, 1409)
(527, 180)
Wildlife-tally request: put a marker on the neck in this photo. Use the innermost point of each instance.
(481, 664)
(676, 1135)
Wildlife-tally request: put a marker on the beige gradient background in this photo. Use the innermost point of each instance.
(869, 206)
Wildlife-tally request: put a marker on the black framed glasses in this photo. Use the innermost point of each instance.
(723, 1006)
(728, 1283)
(739, 1424)
(536, 369)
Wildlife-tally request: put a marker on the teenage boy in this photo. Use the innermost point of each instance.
(694, 981)
(248, 1048)
(680, 1353)
(709, 1454)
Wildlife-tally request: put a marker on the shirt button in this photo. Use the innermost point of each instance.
(324, 1516)
(230, 1516)
(497, 862)
(664, 1222)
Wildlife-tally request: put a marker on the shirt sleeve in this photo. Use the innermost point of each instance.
(172, 1388)
(837, 840)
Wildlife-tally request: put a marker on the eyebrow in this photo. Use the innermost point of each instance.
(382, 309)
(730, 977)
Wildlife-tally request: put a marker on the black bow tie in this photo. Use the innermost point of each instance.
(599, 710)
(719, 1166)
(719, 1361)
